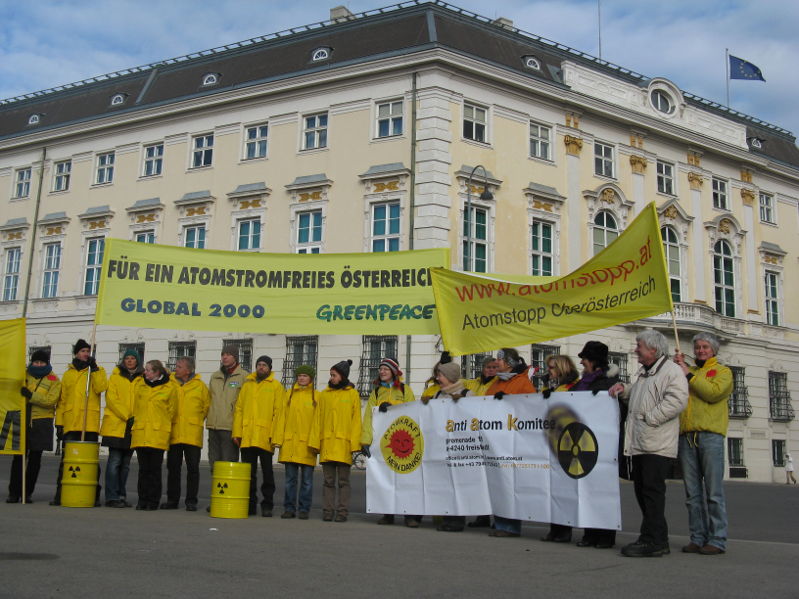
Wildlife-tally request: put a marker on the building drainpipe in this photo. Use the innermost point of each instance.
(411, 208)
(33, 235)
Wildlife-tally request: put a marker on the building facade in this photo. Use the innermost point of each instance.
(380, 132)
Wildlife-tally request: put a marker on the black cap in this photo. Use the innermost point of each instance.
(79, 345)
(265, 359)
(343, 368)
(596, 352)
(40, 355)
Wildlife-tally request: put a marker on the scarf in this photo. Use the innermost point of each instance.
(39, 372)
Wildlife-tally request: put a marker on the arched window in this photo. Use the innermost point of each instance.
(210, 79)
(320, 54)
(34, 119)
(671, 249)
(605, 230)
(117, 99)
(724, 278)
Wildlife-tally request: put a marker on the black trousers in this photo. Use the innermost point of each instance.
(251, 455)
(149, 486)
(75, 436)
(34, 463)
(649, 480)
(174, 464)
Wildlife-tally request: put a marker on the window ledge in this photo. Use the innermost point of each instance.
(98, 185)
(547, 161)
(150, 177)
(251, 160)
(479, 144)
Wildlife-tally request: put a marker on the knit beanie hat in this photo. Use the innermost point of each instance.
(40, 355)
(132, 352)
(391, 365)
(232, 350)
(265, 359)
(451, 371)
(79, 345)
(343, 368)
(305, 369)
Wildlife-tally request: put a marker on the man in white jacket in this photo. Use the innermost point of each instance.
(654, 401)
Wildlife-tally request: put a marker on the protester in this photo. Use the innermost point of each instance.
(153, 412)
(41, 392)
(654, 402)
(335, 435)
(513, 377)
(293, 434)
(117, 423)
(488, 375)
(703, 428)
(224, 386)
(186, 438)
(254, 424)
(388, 390)
(72, 412)
(431, 385)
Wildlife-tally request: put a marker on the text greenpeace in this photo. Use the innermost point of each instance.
(181, 288)
(516, 458)
(626, 281)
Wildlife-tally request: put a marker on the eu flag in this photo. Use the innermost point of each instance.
(742, 69)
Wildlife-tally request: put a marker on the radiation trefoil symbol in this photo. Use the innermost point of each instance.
(74, 470)
(221, 487)
(578, 450)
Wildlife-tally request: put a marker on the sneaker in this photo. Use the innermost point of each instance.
(303, 516)
(639, 549)
(340, 518)
(287, 514)
(711, 550)
(691, 548)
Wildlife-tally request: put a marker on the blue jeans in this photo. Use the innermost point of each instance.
(702, 461)
(507, 524)
(306, 487)
(116, 473)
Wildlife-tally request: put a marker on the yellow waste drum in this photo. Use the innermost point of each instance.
(79, 481)
(230, 490)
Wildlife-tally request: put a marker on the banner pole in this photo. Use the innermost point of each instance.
(88, 384)
(676, 334)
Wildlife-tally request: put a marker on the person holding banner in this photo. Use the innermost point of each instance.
(513, 377)
(41, 392)
(292, 435)
(71, 412)
(480, 384)
(389, 390)
(254, 426)
(335, 436)
(224, 386)
(117, 424)
(654, 403)
(703, 427)
(154, 409)
(431, 385)
(186, 438)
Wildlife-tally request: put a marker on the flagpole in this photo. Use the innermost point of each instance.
(88, 382)
(727, 70)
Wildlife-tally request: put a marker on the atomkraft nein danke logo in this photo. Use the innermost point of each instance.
(402, 445)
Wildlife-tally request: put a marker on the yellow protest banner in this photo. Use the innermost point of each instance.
(167, 287)
(12, 378)
(625, 282)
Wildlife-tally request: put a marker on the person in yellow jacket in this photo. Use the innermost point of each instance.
(479, 385)
(254, 426)
(117, 422)
(186, 439)
(71, 411)
(432, 386)
(153, 411)
(293, 432)
(389, 390)
(335, 435)
(703, 427)
(41, 391)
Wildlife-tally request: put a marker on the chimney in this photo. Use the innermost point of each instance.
(340, 13)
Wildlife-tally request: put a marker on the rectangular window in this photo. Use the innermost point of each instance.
(720, 194)
(94, 264)
(11, 274)
(105, 168)
(389, 119)
(778, 452)
(472, 365)
(309, 232)
(540, 141)
(315, 131)
(194, 237)
(299, 351)
(375, 348)
(474, 122)
(475, 240)
(780, 408)
(153, 160)
(203, 151)
(604, 160)
(621, 361)
(249, 234)
(180, 349)
(739, 406)
(665, 177)
(137, 347)
(767, 208)
(538, 360)
(145, 236)
(245, 351)
(735, 452)
(255, 144)
(62, 174)
(22, 187)
(541, 235)
(51, 268)
(772, 298)
(386, 227)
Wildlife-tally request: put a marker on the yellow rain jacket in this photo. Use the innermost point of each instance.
(392, 395)
(153, 412)
(294, 426)
(46, 392)
(258, 411)
(118, 403)
(430, 391)
(337, 426)
(192, 408)
(478, 387)
(73, 399)
(708, 392)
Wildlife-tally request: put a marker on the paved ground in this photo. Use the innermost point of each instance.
(103, 552)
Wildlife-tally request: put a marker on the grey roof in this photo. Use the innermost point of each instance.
(384, 169)
(54, 217)
(309, 180)
(98, 210)
(479, 174)
(772, 248)
(145, 204)
(193, 196)
(543, 189)
(16, 223)
(249, 188)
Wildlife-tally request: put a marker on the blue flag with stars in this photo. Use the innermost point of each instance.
(742, 69)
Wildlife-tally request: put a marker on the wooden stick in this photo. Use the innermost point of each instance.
(676, 334)
(88, 385)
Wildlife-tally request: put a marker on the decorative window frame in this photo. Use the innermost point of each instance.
(194, 209)
(726, 227)
(671, 214)
(671, 91)
(321, 54)
(52, 229)
(34, 120)
(532, 63)
(294, 223)
(544, 204)
(248, 202)
(382, 184)
(118, 99)
(210, 79)
(376, 118)
(5, 251)
(95, 224)
(772, 258)
(145, 215)
(492, 184)
(611, 198)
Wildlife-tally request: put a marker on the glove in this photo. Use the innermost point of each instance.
(365, 451)
(499, 395)
(384, 406)
(93, 364)
(128, 426)
(546, 393)
(445, 358)
(26, 393)
(59, 432)
(425, 400)
(594, 391)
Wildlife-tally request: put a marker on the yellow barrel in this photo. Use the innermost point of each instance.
(79, 481)
(230, 490)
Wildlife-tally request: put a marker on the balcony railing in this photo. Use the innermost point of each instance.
(700, 314)
(739, 406)
(780, 408)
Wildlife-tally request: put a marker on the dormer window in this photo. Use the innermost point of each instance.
(34, 119)
(532, 63)
(321, 54)
(118, 99)
(662, 101)
(210, 79)
(755, 142)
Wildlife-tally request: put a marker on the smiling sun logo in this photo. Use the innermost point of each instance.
(402, 445)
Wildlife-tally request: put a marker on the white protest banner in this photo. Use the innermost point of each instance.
(524, 457)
